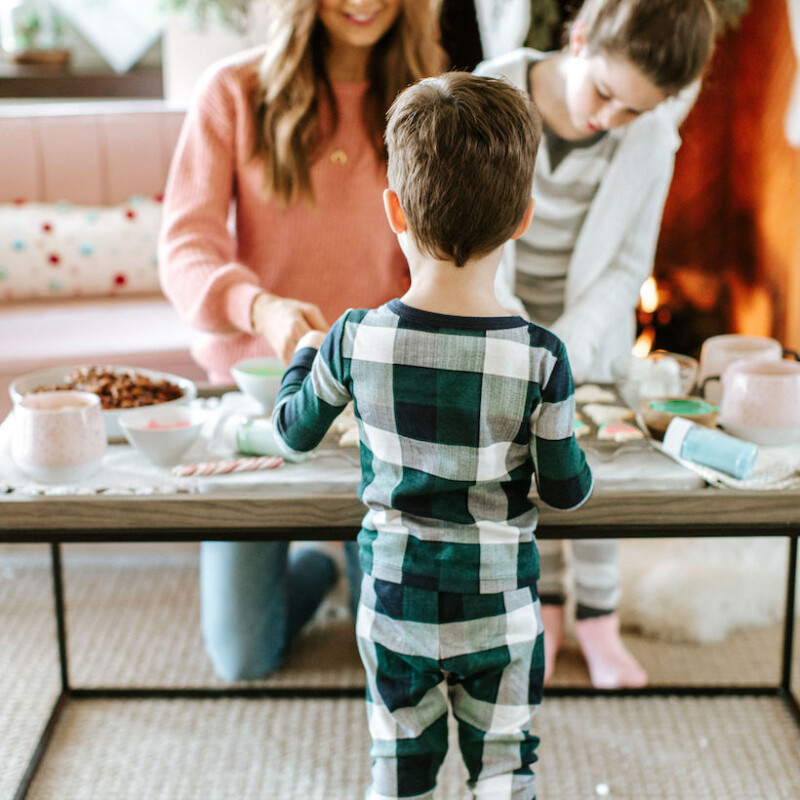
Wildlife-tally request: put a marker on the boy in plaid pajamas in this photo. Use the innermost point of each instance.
(458, 404)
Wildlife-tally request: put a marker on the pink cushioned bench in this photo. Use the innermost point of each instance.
(89, 154)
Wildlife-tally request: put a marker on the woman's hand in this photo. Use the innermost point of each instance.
(283, 321)
(311, 339)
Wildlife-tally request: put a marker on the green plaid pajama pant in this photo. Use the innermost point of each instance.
(483, 654)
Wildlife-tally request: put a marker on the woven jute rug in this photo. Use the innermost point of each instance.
(134, 621)
(318, 750)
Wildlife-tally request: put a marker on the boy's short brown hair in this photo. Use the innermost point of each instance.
(461, 155)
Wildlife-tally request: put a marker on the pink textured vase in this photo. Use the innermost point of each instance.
(58, 436)
(761, 401)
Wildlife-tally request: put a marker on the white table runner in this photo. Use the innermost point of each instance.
(332, 469)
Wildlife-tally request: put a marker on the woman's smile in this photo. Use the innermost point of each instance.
(358, 23)
(362, 19)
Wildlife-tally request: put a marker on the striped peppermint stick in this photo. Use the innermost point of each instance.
(227, 467)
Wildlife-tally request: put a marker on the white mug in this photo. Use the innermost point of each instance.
(58, 436)
(718, 352)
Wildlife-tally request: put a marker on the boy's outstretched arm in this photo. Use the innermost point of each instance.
(312, 392)
(563, 478)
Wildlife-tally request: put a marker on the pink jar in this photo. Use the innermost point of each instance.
(761, 401)
(58, 436)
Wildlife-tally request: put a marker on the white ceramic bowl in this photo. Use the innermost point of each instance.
(53, 376)
(660, 374)
(162, 434)
(259, 378)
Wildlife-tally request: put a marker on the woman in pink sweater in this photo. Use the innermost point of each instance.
(274, 226)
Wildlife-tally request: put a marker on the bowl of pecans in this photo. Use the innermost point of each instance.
(120, 389)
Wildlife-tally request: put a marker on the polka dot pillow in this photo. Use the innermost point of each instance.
(60, 250)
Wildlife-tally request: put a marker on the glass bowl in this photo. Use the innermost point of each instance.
(659, 374)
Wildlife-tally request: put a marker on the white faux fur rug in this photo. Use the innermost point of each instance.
(701, 590)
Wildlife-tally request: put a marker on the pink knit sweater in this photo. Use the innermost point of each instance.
(338, 253)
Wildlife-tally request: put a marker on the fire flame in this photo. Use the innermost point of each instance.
(648, 296)
(648, 303)
(644, 344)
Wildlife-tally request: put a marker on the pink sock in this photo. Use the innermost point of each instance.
(610, 664)
(553, 622)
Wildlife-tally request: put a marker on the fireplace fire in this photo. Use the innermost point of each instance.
(728, 257)
(679, 312)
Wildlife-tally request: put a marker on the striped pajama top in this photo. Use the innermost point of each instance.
(565, 180)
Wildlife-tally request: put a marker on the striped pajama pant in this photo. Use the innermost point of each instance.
(425, 651)
(595, 567)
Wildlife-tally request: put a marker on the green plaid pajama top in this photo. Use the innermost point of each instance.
(455, 415)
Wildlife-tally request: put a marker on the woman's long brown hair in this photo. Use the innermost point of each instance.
(292, 72)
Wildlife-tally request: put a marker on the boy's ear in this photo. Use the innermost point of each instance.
(577, 37)
(526, 221)
(394, 213)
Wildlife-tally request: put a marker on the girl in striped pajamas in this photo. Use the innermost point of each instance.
(611, 106)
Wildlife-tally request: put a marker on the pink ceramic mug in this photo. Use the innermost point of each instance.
(58, 436)
(761, 400)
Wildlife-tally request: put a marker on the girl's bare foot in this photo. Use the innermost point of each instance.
(610, 664)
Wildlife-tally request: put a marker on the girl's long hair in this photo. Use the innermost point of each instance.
(292, 72)
(670, 41)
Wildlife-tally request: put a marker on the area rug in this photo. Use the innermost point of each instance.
(702, 590)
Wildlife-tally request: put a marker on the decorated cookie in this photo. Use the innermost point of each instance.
(600, 413)
(580, 428)
(616, 430)
(592, 393)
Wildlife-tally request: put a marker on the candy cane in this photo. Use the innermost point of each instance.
(227, 467)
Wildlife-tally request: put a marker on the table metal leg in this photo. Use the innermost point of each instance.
(788, 631)
(61, 619)
(41, 747)
(64, 694)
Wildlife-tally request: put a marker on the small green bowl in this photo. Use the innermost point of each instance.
(683, 407)
(657, 412)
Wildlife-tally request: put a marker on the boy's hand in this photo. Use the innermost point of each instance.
(283, 321)
(311, 339)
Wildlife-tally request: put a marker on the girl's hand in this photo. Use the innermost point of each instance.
(283, 321)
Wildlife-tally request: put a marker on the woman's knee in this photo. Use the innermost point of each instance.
(239, 657)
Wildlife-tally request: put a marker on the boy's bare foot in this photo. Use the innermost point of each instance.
(610, 664)
(553, 622)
